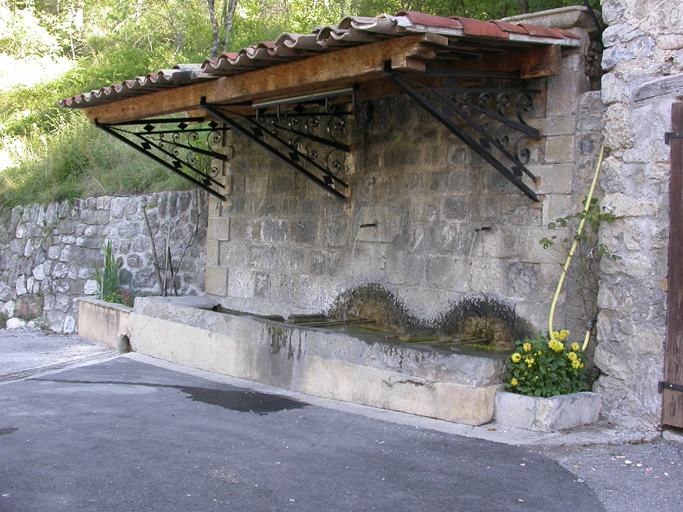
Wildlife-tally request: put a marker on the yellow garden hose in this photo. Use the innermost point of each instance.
(551, 332)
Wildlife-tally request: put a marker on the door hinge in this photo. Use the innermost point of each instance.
(672, 135)
(669, 385)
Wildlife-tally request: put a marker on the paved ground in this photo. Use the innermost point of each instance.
(100, 432)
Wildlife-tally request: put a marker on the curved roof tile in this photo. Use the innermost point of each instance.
(475, 36)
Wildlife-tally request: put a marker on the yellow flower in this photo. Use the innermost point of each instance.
(514, 382)
(562, 336)
(572, 356)
(576, 347)
(529, 361)
(527, 347)
(516, 357)
(539, 353)
(565, 332)
(556, 334)
(556, 346)
(576, 364)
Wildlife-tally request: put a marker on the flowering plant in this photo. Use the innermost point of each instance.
(120, 296)
(546, 366)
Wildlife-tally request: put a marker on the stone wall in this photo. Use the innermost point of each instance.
(451, 227)
(48, 253)
(643, 62)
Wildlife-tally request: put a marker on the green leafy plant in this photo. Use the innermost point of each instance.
(109, 279)
(594, 216)
(3, 320)
(544, 368)
(582, 275)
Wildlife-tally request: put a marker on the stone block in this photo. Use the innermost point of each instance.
(499, 242)
(564, 91)
(241, 284)
(457, 208)
(263, 257)
(382, 225)
(546, 414)
(273, 230)
(448, 273)
(620, 33)
(218, 229)
(405, 269)
(29, 306)
(216, 280)
(292, 260)
(559, 149)
(554, 179)
(485, 210)
(521, 280)
(212, 254)
(561, 125)
(334, 233)
(534, 312)
(454, 238)
(518, 210)
(304, 231)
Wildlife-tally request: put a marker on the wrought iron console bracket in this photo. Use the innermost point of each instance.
(307, 140)
(668, 385)
(485, 111)
(182, 145)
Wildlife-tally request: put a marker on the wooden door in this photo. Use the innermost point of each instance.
(672, 387)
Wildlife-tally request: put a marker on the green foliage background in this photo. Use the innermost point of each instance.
(56, 154)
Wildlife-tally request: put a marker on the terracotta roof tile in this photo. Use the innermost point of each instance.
(429, 20)
(510, 27)
(537, 30)
(472, 27)
(467, 37)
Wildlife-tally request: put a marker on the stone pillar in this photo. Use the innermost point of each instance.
(643, 53)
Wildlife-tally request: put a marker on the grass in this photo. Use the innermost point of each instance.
(51, 154)
(75, 160)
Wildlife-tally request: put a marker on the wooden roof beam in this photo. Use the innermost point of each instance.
(335, 69)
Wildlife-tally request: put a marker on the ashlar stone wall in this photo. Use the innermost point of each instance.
(48, 253)
(643, 64)
(451, 227)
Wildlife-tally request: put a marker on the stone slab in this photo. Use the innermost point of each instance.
(546, 414)
(396, 376)
(102, 321)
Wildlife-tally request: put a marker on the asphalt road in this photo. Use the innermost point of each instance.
(117, 433)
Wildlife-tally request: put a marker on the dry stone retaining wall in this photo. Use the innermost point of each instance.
(48, 252)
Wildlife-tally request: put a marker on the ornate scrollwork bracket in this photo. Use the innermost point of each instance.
(182, 145)
(308, 137)
(494, 126)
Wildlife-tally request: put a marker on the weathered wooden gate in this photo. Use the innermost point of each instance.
(672, 387)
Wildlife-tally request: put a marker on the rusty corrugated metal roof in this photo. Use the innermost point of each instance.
(467, 37)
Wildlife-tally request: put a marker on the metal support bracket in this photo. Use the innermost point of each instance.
(480, 116)
(182, 145)
(668, 385)
(672, 135)
(306, 137)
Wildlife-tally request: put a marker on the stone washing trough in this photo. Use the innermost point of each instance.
(343, 363)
